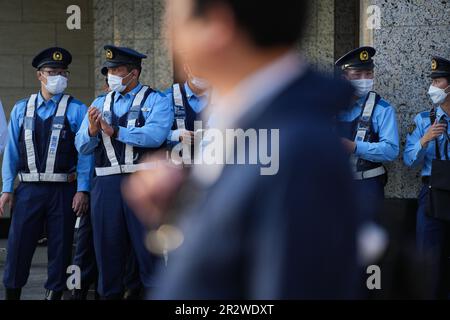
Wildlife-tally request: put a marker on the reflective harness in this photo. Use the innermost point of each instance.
(57, 126)
(180, 118)
(133, 115)
(362, 134)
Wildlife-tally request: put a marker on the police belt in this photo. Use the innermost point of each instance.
(47, 177)
(373, 173)
(123, 169)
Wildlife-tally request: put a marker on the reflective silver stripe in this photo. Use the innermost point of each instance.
(111, 154)
(177, 96)
(43, 177)
(180, 113)
(58, 125)
(362, 175)
(133, 116)
(362, 132)
(109, 171)
(28, 130)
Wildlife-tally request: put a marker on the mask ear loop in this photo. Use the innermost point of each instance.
(126, 85)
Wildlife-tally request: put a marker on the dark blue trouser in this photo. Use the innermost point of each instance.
(36, 205)
(433, 243)
(84, 257)
(115, 228)
(370, 195)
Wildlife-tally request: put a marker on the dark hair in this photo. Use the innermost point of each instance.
(131, 67)
(269, 23)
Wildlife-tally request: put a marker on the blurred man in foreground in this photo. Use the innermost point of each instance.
(287, 232)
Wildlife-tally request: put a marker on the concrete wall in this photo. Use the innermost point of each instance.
(136, 24)
(27, 27)
(411, 32)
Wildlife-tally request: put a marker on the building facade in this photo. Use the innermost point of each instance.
(406, 34)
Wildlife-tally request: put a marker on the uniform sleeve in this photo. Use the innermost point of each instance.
(85, 161)
(156, 128)
(84, 143)
(3, 129)
(414, 152)
(388, 147)
(11, 156)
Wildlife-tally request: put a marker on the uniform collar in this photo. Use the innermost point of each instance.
(133, 92)
(55, 99)
(440, 113)
(360, 101)
(189, 92)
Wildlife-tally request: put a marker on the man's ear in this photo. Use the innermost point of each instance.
(39, 75)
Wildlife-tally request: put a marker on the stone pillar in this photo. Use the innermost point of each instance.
(136, 24)
(332, 30)
(411, 32)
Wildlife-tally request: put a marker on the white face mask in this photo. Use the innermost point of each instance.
(200, 83)
(56, 84)
(437, 95)
(115, 83)
(363, 87)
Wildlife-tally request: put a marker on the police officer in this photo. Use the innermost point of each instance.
(129, 122)
(84, 255)
(54, 178)
(423, 143)
(368, 129)
(189, 100)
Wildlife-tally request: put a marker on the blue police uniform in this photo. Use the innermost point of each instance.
(142, 118)
(380, 143)
(84, 258)
(432, 235)
(41, 151)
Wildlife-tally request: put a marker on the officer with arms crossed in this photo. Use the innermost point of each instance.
(368, 129)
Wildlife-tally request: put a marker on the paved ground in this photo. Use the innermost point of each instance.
(34, 290)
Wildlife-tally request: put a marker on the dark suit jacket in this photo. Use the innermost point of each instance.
(288, 236)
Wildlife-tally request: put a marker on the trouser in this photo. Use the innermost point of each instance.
(433, 243)
(116, 229)
(370, 195)
(84, 257)
(38, 205)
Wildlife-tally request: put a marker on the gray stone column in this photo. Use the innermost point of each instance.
(332, 30)
(411, 32)
(136, 24)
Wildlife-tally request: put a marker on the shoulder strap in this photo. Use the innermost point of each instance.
(133, 116)
(29, 124)
(365, 122)
(110, 152)
(436, 142)
(180, 109)
(57, 126)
